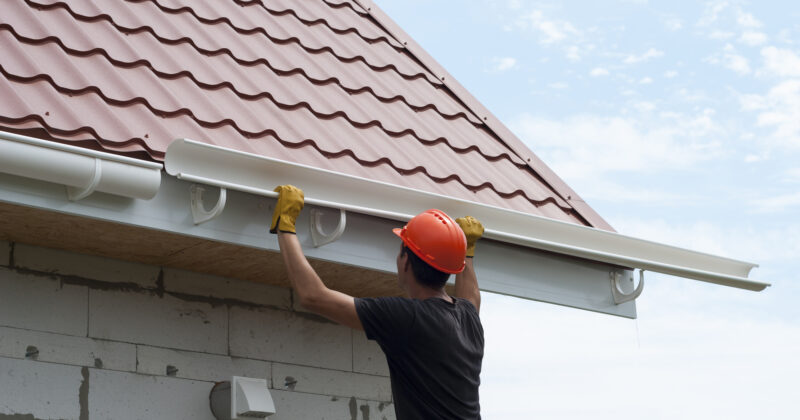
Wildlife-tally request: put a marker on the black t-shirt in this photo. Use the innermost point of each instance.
(434, 349)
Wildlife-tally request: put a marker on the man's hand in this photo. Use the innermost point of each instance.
(466, 281)
(473, 230)
(290, 202)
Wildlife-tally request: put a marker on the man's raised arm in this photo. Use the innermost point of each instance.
(466, 281)
(309, 288)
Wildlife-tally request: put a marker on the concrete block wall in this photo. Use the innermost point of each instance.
(84, 337)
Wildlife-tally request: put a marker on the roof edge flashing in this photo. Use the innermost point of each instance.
(82, 171)
(256, 174)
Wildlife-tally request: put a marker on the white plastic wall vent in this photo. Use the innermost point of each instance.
(225, 168)
(82, 171)
(241, 399)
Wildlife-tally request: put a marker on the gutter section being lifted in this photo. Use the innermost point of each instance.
(82, 171)
(225, 168)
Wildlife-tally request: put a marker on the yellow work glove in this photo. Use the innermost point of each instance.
(290, 202)
(473, 230)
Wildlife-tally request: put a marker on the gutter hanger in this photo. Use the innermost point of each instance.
(82, 171)
(226, 168)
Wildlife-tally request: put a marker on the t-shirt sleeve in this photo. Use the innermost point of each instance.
(386, 320)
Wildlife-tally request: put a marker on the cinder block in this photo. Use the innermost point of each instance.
(167, 321)
(40, 303)
(192, 283)
(289, 337)
(86, 266)
(5, 253)
(331, 382)
(129, 396)
(297, 405)
(368, 356)
(67, 349)
(36, 390)
(200, 366)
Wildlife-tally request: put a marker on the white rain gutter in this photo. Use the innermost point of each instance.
(82, 171)
(225, 168)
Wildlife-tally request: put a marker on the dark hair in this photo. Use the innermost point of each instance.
(425, 274)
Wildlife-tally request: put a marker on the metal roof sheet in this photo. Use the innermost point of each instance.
(321, 83)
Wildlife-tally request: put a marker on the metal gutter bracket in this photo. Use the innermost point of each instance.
(319, 237)
(619, 295)
(199, 213)
(75, 194)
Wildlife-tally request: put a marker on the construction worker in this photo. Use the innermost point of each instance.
(433, 342)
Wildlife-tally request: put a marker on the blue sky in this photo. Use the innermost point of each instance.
(678, 122)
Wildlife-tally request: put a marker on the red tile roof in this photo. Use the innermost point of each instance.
(323, 83)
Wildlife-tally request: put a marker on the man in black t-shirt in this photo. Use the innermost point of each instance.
(433, 342)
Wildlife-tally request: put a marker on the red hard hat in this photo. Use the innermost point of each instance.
(436, 238)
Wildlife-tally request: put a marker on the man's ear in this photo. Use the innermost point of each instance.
(405, 262)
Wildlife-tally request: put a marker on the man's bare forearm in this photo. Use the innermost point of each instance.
(302, 276)
(311, 291)
(467, 285)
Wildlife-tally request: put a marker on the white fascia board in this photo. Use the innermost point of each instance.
(82, 171)
(226, 168)
(367, 241)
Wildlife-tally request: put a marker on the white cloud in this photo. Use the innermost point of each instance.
(647, 55)
(778, 109)
(644, 106)
(558, 85)
(573, 53)
(681, 346)
(781, 62)
(731, 60)
(737, 63)
(514, 4)
(747, 20)
(792, 175)
(713, 10)
(598, 71)
(692, 96)
(669, 74)
(582, 148)
(753, 158)
(743, 241)
(549, 31)
(752, 102)
(673, 24)
(721, 35)
(778, 204)
(645, 81)
(500, 64)
(753, 38)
